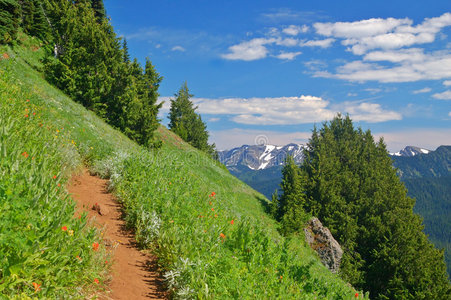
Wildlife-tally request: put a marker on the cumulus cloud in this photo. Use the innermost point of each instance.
(287, 110)
(318, 43)
(421, 91)
(402, 55)
(178, 48)
(292, 30)
(249, 50)
(288, 55)
(390, 33)
(449, 114)
(446, 95)
(369, 112)
(434, 67)
(447, 83)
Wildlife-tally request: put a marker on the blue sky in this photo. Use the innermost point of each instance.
(267, 71)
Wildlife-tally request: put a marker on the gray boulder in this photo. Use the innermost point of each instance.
(321, 240)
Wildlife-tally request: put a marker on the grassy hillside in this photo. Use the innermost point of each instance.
(209, 229)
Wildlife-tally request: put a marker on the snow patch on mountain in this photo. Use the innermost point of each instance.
(410, 151)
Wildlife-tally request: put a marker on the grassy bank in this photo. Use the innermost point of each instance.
(208, 229)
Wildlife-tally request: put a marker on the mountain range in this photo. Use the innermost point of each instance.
(425, 173)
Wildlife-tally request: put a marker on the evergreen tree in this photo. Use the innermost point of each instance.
(99, 9)
(33, 19)
(292, 201)
(352, 187)
(9, 20)
(186, 123)
(126, 55)
(274, 205)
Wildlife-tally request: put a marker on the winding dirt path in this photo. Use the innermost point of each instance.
(134, 273)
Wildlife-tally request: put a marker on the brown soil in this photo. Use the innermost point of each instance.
(134, 273)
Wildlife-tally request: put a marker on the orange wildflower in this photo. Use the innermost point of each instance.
(216, 216)
(212, 209)
(54, 176)
(95, 246)
(37, 287)
(356, 295)
(222, 235)
(25, 154)
(232, 222)
(96, 280)
(26, 115)
(64, 228)
(78, 257)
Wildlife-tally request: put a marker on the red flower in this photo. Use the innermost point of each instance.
(54, 176)
(25, 154)
(212, 209)
(37, 287)
(64, 228)
(222, 235)
(78, 257)
(26, 116)
(96, 280)
(95, 246)
(356, 295)
(232, 222)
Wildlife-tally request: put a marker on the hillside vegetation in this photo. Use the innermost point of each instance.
(209, 230)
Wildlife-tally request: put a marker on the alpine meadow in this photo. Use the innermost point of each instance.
(72, 98)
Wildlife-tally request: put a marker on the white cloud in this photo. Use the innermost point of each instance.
(287, 110)
(289, 42)
(421, 91)
(359, 29)
(434, 67)
(386, 34)
(227, 139)
(449, 114)
(446, 95)
(369, 112)
(288, 55)
(178, 48)
(318, 43)
(249, 50)
(447, 83)
(402, 55)
(292, 30)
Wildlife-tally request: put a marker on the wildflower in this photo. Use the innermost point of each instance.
(209, 202)
(212, 209)
(222, 235)
(71, 232)
(34, 114)
(64, 228)
(95, 246)
(171, 221)
(25, 154)
(59, 184)
(78, 257)
(26, 115)
(281, 277)
(356, 295)
(216, 215)
(232, 222)
(54, 176)
(37, 287)
(106, 262)
(96, 280)
(27, 100)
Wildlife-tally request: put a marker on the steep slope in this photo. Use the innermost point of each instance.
(209, 230)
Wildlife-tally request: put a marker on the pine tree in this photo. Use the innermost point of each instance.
(352, 187)
(126, 56)
(186, 123)
(9, 20)
(292, 201)
(274, 206)
(99, 10)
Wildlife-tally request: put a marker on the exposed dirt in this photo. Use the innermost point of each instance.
(134, 273)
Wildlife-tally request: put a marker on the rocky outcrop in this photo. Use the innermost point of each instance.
(321, 240)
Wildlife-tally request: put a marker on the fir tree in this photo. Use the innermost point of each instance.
(186, 123)
(291, 202)
(9, 20)
(352, 187)
(99, 10)
(126, 55)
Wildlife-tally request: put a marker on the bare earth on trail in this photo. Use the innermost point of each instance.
(134, 273)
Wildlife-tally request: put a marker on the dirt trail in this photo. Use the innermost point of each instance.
(134, 273)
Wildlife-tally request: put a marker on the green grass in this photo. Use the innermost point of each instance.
(166, 194)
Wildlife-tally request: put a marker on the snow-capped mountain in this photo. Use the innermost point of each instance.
(259, 157)
(410, 151)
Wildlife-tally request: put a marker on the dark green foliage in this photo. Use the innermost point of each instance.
(355, 192)
(9, 20)
(93, 67)
(99, 10)
(291, 203)
(186, 123)
(33, 19)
